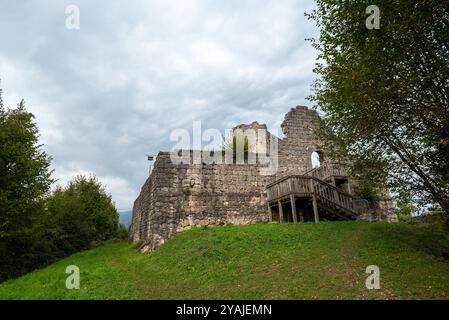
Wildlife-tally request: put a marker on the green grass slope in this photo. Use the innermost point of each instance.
(266, 261)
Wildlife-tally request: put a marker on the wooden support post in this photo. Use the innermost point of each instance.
(301, 214)
(349, 187)
(281, 214)
(311, 186)
(315, 210)
(333, 181)
(335, 193)
(270, 213)
(293, 205)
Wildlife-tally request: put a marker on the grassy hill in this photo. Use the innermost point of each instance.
(266, 261)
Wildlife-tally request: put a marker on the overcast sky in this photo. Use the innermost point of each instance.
(109, 93)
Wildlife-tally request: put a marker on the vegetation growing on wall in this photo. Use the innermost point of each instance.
(233, 145)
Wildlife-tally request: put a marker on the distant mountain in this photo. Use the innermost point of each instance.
(126, 217)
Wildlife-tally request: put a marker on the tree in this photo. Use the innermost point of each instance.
(385, 92)
(25, 179)
(80, 214)
(123, 232)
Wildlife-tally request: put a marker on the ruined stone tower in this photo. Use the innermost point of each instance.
(179, 196)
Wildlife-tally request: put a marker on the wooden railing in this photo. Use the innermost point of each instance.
(308, 186)
(332, 196)
(329, 169)
(289, 185)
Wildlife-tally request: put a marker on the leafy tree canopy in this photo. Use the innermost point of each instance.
(385, 92)
(25, 179)
(82, 213)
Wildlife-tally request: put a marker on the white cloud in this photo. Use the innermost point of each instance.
(119, 188)
(122, 193)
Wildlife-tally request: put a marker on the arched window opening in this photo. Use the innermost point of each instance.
(315, 157)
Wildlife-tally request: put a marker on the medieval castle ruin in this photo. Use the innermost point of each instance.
(178, 196)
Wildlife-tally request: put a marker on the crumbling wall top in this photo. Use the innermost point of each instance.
(296, 118)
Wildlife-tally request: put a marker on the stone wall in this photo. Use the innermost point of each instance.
(176, 197)
(299, 142)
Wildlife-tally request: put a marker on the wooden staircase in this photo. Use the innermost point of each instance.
(328, 201)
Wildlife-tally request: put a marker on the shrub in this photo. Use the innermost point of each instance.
(80, 214)
(407, 219)
(123, 232)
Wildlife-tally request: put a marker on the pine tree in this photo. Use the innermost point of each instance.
(25, 179)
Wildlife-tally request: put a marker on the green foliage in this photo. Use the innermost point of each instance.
(369, 179)
(35, 228)
(404, 205)
(438, 220)
(24, 183)
(407, 219)
(80, 214)
(267, 261)
(385, 92)
(123, 232)
(186, 190)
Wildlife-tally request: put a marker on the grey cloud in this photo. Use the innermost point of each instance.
(111, 92)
